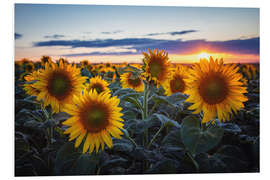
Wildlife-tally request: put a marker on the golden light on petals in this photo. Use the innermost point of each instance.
(130, 81)
(177, 81)
(58, 83)
(28, 87)
(216, 89)
(98, 84)
(157, 66)
(96, 118)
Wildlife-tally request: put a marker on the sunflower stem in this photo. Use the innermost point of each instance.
(131, 140)
(50, 129)
(145, 101)
(153, 108)
(155, 136)
(193, 161)
(145, 111)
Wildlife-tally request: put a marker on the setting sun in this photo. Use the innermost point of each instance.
(203, 55)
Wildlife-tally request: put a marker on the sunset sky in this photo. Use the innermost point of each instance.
(122, 33)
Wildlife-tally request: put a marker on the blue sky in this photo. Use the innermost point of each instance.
(121, 33)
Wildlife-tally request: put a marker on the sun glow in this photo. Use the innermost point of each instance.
(203, 55)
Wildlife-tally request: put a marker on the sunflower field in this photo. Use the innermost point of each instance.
(154, 117)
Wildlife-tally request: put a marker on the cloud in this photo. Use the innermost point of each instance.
(237, 46)
(99, 42)
(18, 36)
(172, 33)
(113, 32)
(55, 36)
(96, 53)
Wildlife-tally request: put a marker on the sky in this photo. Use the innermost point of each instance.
(121, 33)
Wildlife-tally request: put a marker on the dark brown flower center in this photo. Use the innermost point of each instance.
(98, 87)
(213, 88)
(110, 74)
(134, 81)
(95, 117)
(59, 85)
(155, 68)
(177, 84)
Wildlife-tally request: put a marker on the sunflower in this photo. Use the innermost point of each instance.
(249, 71)
(24, 61)
(215, 89)
(98, 84)
(108, 64)
(90, 67)
(95, 117)
(157, 66)
(84, 63)
(177, 81)
(128, 80)
(57, 84)
(29, 67)
(244, 81)
(28, 87)
(138, 66)
(45, 59)
(111, 75)
(63, 61)
(105, 69)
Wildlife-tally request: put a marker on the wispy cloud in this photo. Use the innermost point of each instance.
(96, 53)
(18, 36)
(239, 46)
(172, 33)
(112, 32)
(55, 36)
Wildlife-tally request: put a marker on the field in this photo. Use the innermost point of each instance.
(138, 121)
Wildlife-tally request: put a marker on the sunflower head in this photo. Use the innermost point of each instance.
(98, 84)
(63, 61)
(156, 66)
(57, 84)
(29, 67)
(215, 89)
(130, 80)
(46, 59)
(95, 117)
(24, 61)
(28, 87)
(249, 71)
(90, 67)
(108, 64)
(84, 63)
(177, 82)
(111, 75)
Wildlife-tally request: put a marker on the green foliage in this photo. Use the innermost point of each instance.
(197, 140)
(168, 140)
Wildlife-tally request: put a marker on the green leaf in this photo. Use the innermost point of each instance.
(115, 161)
(173, 138)
(195, 139)
(65, 158)
(162, 99)
(123, 146)
(123, 91)
(32, 124)
(233, 157)
(132, 98)
(164, 166)
(166, 121)
(85, 165)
